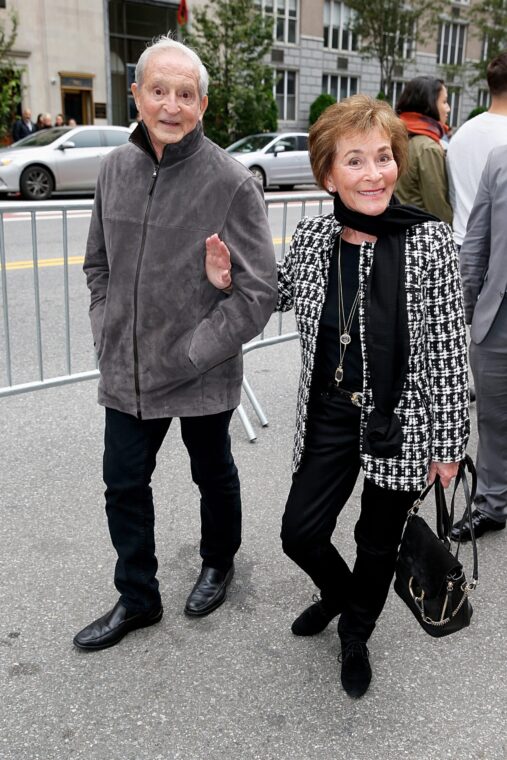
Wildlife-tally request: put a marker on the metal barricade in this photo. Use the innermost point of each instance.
(44, 329)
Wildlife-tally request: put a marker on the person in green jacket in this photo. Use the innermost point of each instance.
(423, 108)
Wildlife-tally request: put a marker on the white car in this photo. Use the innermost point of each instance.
(55, 159)
(276, 158)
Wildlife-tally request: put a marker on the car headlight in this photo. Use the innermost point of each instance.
(6, 161)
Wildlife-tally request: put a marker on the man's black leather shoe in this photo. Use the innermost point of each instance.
(481, 524)
(314, 619)
(356, 670)
(113, 626)
(209, 591)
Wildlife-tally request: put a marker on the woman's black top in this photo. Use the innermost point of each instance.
(327, 357)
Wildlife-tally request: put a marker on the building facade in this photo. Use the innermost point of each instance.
(314, 51)
(78, 56)
(60, 49)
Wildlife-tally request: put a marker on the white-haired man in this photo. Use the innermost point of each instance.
(169, 343)
(24, 126)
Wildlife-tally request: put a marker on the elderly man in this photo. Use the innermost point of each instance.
(24, 126)
(169, 343)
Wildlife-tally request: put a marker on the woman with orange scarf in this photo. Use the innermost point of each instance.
(423, 108)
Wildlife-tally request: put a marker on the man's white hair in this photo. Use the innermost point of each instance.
(166, 42)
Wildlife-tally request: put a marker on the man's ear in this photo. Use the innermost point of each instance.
(134, 88)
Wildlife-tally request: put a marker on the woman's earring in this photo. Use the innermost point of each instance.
(331, 189)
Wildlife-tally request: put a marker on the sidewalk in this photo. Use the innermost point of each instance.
(235, 685)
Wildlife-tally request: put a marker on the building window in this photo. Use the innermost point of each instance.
(285, 94)
(132, 25)
(451, 43)
(337, 34)
(395, 92)
(483, 99)
(405, 42)
(285, 15)
(339, 87)
(485, 56)
(454, 100)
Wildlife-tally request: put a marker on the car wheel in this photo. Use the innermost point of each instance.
(259, 174)
(286, 188)
(36, 183)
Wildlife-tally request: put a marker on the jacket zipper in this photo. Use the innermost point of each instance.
(136, 285)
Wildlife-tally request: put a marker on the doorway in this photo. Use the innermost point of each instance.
(77, 105)
(77, 97)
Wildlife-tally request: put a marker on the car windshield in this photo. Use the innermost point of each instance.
(250, 144)
(44, 137)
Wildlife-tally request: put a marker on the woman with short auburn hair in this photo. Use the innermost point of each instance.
(377, 298)
(357, 114)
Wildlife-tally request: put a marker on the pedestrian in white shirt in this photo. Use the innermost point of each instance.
(469, 148)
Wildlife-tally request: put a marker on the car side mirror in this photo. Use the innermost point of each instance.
(279, 149)
(68, 144)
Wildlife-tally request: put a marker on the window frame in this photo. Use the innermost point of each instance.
(397, 88)
(338, 7)
(454, 100)
(483, 97)
(329, 90)
(454, 48)
(284, 75)
(289, 22)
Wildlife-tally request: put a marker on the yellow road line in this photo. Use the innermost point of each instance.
(58, 262)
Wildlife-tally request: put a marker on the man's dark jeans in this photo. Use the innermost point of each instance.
(130, 451)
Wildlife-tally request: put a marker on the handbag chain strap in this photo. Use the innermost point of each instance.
(445, 520)
(467, 464)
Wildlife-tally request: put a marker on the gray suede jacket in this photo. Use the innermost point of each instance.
(168, 342)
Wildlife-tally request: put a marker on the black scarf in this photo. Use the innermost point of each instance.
(387, 339)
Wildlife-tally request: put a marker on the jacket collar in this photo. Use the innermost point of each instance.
(174, 152)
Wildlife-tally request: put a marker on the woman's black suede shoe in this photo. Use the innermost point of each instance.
(314, 619)
(356, 670)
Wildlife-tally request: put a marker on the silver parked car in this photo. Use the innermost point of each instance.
(55, 159)
(275, 158)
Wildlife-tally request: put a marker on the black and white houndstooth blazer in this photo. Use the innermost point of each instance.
(433, 408)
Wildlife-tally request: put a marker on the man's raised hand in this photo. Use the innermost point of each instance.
(218, 263)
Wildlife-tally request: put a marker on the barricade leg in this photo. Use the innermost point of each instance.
(253, 400)
(246, 424)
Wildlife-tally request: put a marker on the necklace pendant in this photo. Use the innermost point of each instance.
(338, 375)
(345, 338)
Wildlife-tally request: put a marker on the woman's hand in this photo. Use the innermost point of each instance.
(218, 263)
(446, 470)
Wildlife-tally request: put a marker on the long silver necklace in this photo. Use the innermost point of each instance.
(344, 325)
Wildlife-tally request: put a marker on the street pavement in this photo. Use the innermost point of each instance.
(236, 685)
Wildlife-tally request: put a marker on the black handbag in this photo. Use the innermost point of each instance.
(429, 577)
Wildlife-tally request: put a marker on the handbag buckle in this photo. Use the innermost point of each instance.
(416, 599)
(414, 509)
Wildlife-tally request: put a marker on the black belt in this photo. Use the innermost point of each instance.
(355, 397)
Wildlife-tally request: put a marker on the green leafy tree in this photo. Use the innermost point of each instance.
(319, 105)
(489, 22)
(476, 111)
(386, 30)
(10, 76)
(232, 38)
